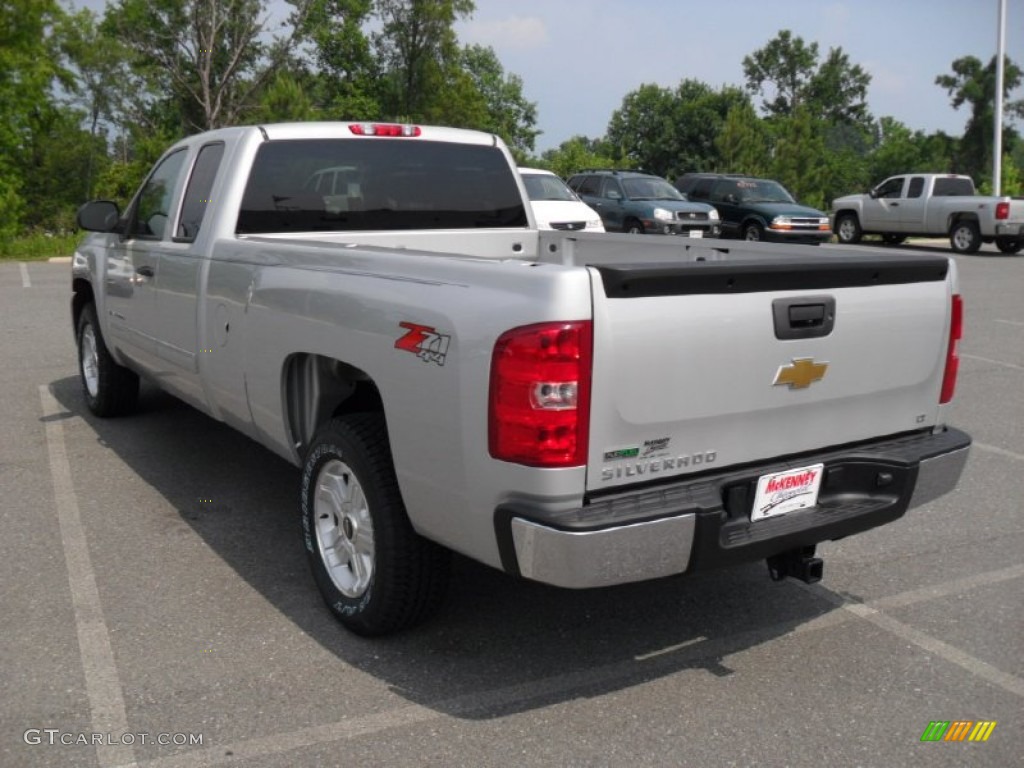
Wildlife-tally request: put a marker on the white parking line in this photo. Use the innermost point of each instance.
(870, 613)
(102, 683)
(558, 685)
(977, 667)
(994, 362)
(1009, 322)
(25, 281)
(997, 450)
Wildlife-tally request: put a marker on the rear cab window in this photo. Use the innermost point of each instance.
(378, 184)
(197, 193)
(953, 187)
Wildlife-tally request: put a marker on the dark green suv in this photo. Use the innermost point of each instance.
(756, 209)
(630, 201)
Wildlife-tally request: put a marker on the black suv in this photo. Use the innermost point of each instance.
(630, 201)
(756, 209)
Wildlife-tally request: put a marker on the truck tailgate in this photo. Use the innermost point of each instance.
(706, 365)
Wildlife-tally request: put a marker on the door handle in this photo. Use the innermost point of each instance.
(894, 205)
(145, 270)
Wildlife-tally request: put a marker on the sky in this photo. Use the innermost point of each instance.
(578, 59)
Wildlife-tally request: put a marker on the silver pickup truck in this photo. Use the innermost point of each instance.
(931, 205)
(374, 303)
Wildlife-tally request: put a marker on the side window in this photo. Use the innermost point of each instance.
(589, 185)
(722, 188)
(153, 204)
(702, 190)
(197, 194)
(611, 189)
(891, 188)
(916, 187)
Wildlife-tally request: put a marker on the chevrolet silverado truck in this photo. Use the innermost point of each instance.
(580, 409)
(931, 205)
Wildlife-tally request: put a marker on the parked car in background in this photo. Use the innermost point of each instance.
(930, 205)
(631, 201)
(756, 209)
(555, 206)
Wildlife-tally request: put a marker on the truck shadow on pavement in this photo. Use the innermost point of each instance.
(499, 645)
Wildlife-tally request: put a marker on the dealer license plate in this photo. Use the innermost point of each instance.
(784, 492)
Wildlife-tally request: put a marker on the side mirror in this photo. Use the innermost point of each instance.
(730, 198)
(99, 216)
(873, 193)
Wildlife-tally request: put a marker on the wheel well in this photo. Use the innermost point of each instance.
(82, 295)
(317, 388)
(956, 218)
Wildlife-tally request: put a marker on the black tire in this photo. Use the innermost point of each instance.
(848, 229)
(893, 239)
(753, 232)
(109, 389)
(376, 574)
(964, 236)
(633, 227)
(1009, 244)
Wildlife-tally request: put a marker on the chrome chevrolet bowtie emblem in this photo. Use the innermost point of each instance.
(800, 374)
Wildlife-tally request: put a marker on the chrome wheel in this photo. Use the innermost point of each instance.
(344, 529)
(965, 237)
(848, 229)
(90, 361)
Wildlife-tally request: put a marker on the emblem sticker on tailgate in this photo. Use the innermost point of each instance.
(784, 492)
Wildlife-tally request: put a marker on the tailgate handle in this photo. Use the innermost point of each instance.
(804, 317)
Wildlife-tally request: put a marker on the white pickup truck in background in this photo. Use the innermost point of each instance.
(931, 205)
(374, 303)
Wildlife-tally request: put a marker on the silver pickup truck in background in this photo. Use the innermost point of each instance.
(931, 205)
(374, 303)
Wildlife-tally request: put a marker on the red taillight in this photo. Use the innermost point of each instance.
(956, 330)
(540, 395)
(384, 129)
(1003, 210)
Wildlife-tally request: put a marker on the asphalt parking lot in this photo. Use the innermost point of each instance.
(158, 610)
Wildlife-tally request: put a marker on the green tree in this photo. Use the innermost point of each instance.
(210, 58)
(507, 112)
(344, 83)
(797, 162)
(669, 132)
(974, 84)
(30, 63)
(416, 49)
(744, 143)
(788, 76)
(283, 100)
(641, 131)
(577, 154)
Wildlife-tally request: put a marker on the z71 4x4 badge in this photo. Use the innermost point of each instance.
(425, 342)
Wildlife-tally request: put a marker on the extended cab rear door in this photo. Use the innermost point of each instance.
(705, 365)
(133, 262)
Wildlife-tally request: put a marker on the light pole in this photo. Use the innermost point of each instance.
(997, 140)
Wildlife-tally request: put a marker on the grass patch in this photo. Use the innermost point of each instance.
(38, 246)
